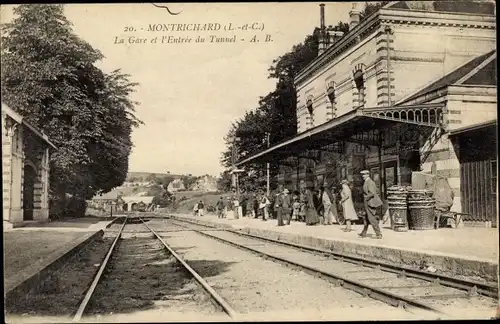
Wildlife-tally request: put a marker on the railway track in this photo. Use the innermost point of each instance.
(104, 291)
(395, 285)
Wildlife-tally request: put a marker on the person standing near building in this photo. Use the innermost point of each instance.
(248, 203)
(286, 206)
(347, 205)
(372, 203)
(330, 213)
(318, 204)
(334, 208)
(312, 217)
(303, 203)
(201, 208)
(220, 207)
(243, 204)
(255, 205)
(195, 209)
(278, 208)
(296, 206)
(264, 206)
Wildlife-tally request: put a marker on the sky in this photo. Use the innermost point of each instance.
(190, 93)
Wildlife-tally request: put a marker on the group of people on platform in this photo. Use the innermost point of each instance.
(310, 205)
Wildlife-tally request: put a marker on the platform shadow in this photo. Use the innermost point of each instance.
(209, 268)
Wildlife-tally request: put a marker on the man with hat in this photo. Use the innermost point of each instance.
(282, 206)
(287, 206)
(372, 203)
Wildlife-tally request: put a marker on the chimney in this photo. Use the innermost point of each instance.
(322, 32)
(354, 17)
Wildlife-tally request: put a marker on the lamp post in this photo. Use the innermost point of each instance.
(268, 185)
(234, 158)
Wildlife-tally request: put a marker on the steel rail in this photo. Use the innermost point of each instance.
(220, 301)
(472, 287)
(97, 278)
(364, 289)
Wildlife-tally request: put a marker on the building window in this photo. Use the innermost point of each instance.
(310, 110)
(360, 87)
(331, 97)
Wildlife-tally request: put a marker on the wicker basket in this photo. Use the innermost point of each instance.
(421, 213)
(419, 194)
(398, 208)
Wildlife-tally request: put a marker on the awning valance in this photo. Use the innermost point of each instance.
(352, 127)
(468, 129)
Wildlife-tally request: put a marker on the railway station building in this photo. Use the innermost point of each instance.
(25, 170)
(409, 90)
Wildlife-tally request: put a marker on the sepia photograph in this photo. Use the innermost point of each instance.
(239, 162)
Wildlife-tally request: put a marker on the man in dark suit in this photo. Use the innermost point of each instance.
(372, 204)
(283, 207)
(286, 205)
(318, 204)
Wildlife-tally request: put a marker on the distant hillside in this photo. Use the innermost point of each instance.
(205, 184)
(142, 176)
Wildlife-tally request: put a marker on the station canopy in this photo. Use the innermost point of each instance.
(362, 125)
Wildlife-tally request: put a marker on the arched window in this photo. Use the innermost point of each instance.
(360, 87)
(330, 92)
(310, 110)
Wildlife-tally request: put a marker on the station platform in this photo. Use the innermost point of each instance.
(471, 252)
(30, 249)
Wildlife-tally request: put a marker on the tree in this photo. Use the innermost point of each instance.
(49, 76)
(275, 115)
(188, 181)
(164, 181)
(224, 181)
(151, 177)
(370, 8)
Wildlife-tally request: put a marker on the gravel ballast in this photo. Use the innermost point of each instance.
(450, 300)
(262, 288)
(143, 278)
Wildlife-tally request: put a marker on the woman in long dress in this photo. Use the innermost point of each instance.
(312, 217)
(303, 203)
(347, 205)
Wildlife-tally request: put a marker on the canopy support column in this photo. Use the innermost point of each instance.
(298, 173)
(381, 176)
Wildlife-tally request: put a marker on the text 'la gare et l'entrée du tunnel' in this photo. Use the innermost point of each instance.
(253, 29)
